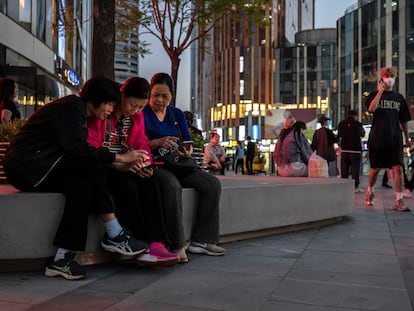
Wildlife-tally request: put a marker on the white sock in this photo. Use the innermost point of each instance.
(113, 228)
(60, 253)
(398, 196)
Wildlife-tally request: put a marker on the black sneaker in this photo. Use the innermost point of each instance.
(68, 268)
(124, 244)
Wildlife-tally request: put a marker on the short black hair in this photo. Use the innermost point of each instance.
(136, 87)
(7, 87)
(353, 113)
(99, 90)
(299, 125)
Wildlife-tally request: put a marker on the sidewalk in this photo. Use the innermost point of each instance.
(365, 262)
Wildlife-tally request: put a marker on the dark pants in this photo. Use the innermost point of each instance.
(206, 221)
(351, 161)
(84, 183)
(138, 205)
(249, 165)
(239, 163)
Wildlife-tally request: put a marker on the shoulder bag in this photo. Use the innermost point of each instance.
(175, 164)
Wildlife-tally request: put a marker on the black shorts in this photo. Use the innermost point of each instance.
(385, 157)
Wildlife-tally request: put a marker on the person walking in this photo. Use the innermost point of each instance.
(250, 153)
(239, 158)
(350, 132)
(323, 141)
(385, 142)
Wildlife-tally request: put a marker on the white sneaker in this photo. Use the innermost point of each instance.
(358, 190)
(407, 193)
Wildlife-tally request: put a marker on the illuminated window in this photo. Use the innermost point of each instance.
(241, 63)
(25, 11)
(241, 87)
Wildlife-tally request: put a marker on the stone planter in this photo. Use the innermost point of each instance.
(3, 147)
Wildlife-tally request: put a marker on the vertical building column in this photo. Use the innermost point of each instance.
(339, 73)
(359, 92)
(402, 55)
(298, 99)
(388, 33)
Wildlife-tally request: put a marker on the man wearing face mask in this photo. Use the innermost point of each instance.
(385, 142)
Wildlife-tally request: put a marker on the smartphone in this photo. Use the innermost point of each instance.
(154, 165)
(185, 144)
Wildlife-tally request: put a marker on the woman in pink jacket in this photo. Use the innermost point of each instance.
(136, 187)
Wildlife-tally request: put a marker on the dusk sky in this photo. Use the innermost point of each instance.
(328, 11)
(326, 14)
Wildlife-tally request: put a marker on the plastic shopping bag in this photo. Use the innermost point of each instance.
(317, 166)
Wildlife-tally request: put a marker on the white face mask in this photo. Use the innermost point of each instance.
(389, 82)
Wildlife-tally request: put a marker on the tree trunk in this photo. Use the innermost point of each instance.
(103, 45)
(175, 66)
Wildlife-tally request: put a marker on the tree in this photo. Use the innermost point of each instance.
(103, 43)
(177, 24)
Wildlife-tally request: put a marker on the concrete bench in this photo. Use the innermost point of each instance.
(250, 206)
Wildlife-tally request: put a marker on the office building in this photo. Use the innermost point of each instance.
(371, 35)
(44, 48)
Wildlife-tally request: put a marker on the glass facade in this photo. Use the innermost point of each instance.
(374, 35)
(47, 52)
(236, 79)
(305, 75)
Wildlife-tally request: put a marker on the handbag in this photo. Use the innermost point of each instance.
(177, 165)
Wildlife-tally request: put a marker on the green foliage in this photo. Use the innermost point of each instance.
(198, 140)
(8, 131)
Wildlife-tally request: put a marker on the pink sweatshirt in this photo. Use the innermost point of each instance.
(137, 140)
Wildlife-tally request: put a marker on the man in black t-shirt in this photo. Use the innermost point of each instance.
(385, 142)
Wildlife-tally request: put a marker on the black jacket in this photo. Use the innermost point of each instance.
(55, 130)
(350, 132)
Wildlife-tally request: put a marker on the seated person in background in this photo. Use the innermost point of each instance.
(289, 121)
(292, 151)
(215, 155)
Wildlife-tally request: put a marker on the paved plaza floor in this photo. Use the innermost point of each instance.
(365, 262)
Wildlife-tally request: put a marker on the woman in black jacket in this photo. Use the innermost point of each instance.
(51, 154)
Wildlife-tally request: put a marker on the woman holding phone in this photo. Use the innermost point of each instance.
(164, 125)
(135, 186)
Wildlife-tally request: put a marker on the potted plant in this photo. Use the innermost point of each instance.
(7, 132)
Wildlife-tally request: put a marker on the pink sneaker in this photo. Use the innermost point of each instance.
(158, 255)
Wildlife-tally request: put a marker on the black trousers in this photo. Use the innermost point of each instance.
(351, 161)
(239, 163)
(139, 205)
(249, 165)
(84, 183)
(206, 222)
